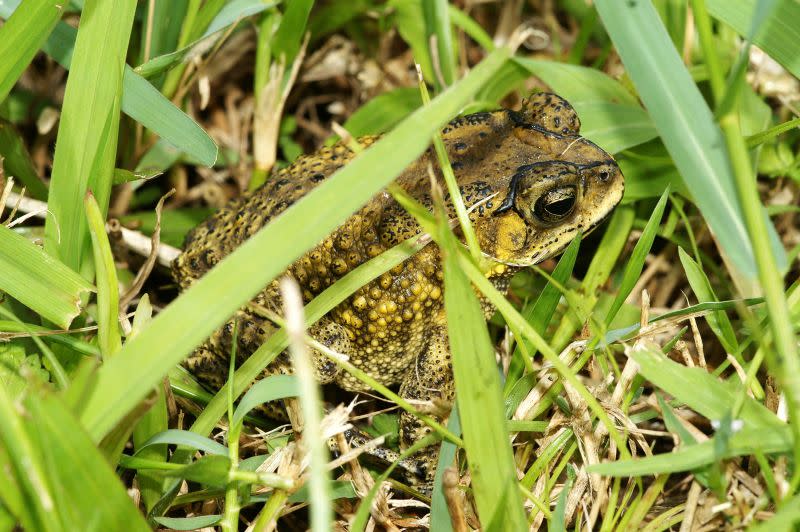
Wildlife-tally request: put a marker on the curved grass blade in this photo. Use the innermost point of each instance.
(264, 391)
(231, 14)
(186, 439)
(684, 122)
(77, 475)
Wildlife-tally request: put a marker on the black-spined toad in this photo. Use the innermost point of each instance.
(534, 184)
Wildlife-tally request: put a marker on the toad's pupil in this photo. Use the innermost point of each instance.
(560, 207)
(603, 176)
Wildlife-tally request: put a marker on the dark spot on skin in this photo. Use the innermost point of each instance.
(460, 146)
(483, 134)
(316, 178)
(457, 165)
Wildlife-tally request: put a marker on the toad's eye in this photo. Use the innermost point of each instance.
(555, 205)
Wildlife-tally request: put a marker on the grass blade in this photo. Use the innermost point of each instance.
(89, 128)
(718, 321)
(32, 480)
(76, 475)
(21, 37)
(779, 34)
(684, 122)
(480, 402)
(107, 286)
(39, 281)
(207, 304)
(636, 263)
(229, 15)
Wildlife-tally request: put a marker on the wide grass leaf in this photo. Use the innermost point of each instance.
(208, 303)
(64, 469)
(21, 37)
(610, 115)
(89, 128)
(39, 281)
(266, 390)
(744, 442)
(779, 34)
(701, 391)
(684, 122)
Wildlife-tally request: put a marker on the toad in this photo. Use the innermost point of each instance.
(531, 183)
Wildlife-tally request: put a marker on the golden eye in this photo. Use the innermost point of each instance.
(555, 204)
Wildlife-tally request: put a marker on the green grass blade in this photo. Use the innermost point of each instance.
(185, 438)
(189, 523)
(39, 281)
(409, 18)
(78, 476)
(89, 127)
(744, 442)
(636, 263)
(286, 42)
(26, 468)
(779, 34)
(107, 286)
(437, 21)
(208, 303)
(264, 391)
(383, 112)
(684, 122)
(471, 28)
(21, 37)
(701, 391)
(718, 321)
(140, 100)
(145, 104)
(480, 402)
